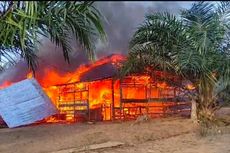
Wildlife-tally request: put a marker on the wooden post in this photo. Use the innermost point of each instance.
(120, 99)
(112, 106)
(149, 96)
(74, 98)
(58, 103)
(146, 97)
(88, 105)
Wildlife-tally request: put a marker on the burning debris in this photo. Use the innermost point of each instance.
(24, 103)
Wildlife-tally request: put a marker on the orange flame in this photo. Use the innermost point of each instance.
(190, 87)
(29, 75)
(5, 84)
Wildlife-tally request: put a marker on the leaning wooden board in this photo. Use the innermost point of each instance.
(24, 103)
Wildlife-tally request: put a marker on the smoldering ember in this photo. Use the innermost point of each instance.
(114, 77)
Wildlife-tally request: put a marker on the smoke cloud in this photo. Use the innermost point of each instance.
(122, 19)
(49, 57)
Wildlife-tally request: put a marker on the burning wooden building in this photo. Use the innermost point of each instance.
(93, 92)
(96, 94)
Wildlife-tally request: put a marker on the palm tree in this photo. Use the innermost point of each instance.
(195, 46)
(22, 24)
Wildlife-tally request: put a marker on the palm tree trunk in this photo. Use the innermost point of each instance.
(194, 111)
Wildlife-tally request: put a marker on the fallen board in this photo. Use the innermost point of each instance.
(104, 145)
(24, 103)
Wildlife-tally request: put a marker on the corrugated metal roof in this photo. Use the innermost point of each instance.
(100, 72)
(24, 103)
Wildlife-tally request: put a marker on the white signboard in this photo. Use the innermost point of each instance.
(24, 103)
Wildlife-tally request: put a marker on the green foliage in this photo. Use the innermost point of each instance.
(195, 46)
(22, 23)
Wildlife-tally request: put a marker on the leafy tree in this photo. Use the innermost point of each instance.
(194, 45)
(23, 23)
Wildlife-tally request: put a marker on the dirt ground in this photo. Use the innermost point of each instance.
(167, 135)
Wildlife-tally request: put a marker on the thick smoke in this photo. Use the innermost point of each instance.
(122, 19)
(50, 57)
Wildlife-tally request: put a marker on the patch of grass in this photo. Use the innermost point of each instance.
(209, 131)
(218, 126)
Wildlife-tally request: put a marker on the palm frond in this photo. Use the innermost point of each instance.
(23, 21)
(191, 47)
(223, 10)
(156, 41)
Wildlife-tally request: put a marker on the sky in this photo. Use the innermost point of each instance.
(184, 4)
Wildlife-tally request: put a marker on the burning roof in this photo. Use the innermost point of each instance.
(108, 68)
(103, 68)
(100, 72)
